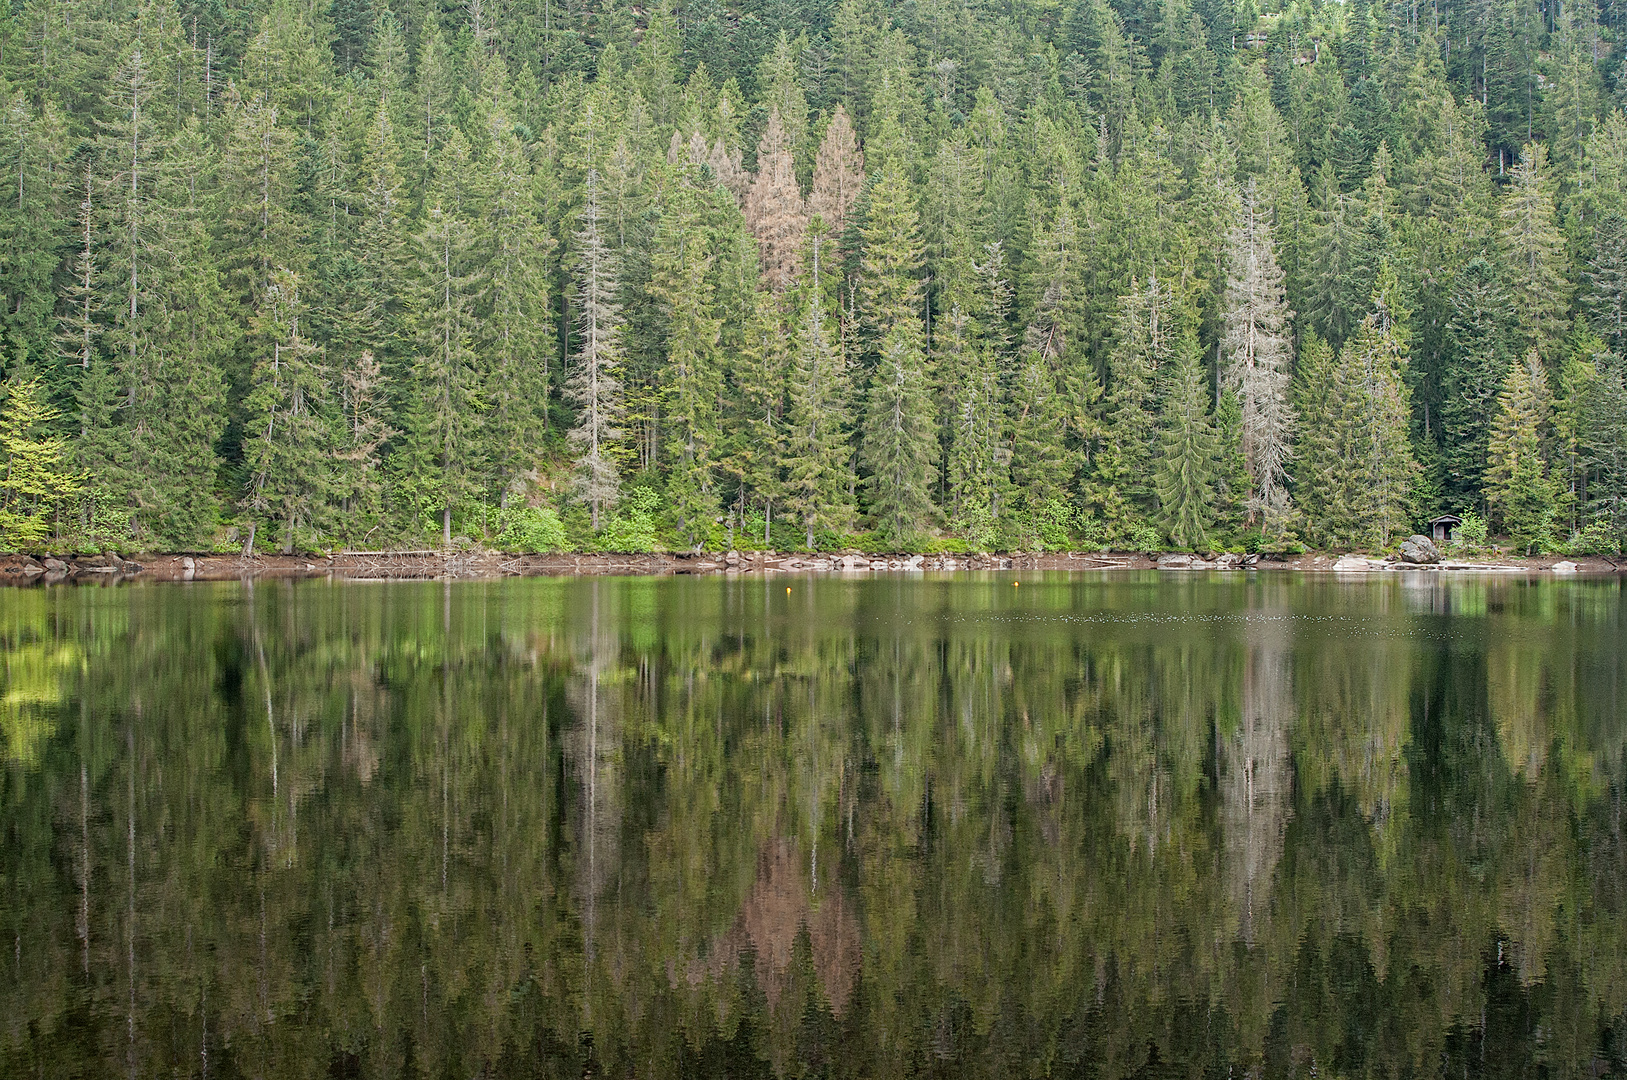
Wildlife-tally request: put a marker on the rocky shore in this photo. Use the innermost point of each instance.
(421, 565)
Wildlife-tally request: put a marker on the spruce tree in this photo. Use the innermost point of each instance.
(1521, 493)
(692, 377)
(442, 463)
(286, 448)
(1259, 358)
(1479, 342)
(1145, 344)
(817, 466)
(838, 178)
(774, 207)
(1373, 423)
(1604, 449)
(890, 285)
(594, 386)
(512, 317)
(1185, 477)
(759, 429)
(899, 442)
(1535, 250)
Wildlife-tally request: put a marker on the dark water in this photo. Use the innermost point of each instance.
(1129, 826)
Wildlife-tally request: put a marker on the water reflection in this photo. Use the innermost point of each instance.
(661, 827)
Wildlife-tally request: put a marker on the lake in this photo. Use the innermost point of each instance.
(961, 825)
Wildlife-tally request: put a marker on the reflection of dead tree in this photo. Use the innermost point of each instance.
(1256, 773)
(780, 905)
(594, 752)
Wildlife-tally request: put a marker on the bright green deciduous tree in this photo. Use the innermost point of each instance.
(38, 477)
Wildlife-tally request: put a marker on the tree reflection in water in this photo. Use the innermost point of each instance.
(1104, 826)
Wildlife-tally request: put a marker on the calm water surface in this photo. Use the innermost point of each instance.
(1083, 826)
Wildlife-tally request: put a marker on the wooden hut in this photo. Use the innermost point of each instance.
(1440, 528)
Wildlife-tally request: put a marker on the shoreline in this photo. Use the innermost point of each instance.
(471, 565)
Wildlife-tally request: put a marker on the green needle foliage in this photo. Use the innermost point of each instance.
(544, 254)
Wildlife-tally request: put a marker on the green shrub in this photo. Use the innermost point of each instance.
(1596, 539)
(532, 530)
(632, 530)
(1148, 538)
(1472, 533)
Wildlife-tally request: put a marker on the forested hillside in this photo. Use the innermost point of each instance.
(1052, 273)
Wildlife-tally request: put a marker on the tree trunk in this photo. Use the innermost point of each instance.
(446, 527)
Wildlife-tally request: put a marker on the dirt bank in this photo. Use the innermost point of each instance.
(21, 569)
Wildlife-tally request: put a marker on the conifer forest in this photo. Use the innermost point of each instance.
(293, 275)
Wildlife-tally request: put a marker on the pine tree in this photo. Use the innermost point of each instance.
(594, 387)
(286, 449)
(899, 437)
(817, 466)
(774, 207)
(1188, 452)
(1519, 490)
(1259, 359)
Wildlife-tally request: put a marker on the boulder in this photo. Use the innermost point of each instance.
(55, 566)
(1227, 561)
(1177, 561)
(1566, 567)
(1419, 550)
(1357, 563)
(914, 562)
